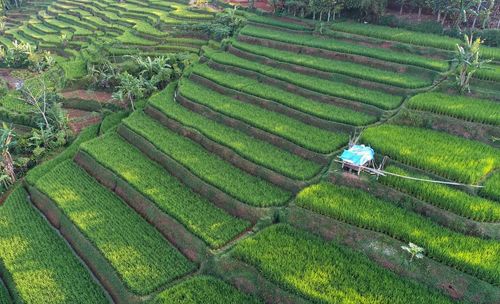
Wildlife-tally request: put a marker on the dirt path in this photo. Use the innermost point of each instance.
(11, 81)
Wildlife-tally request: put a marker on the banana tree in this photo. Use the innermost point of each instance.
(468, 62)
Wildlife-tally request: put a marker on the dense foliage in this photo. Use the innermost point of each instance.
(137, 251)
(41, 266)
(450, 156)
(325, 272)
(492, 186)
(470, 254)
(258, 151)
(207, 166)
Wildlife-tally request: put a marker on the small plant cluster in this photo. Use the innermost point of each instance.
(224, 25)
(24, 55)
(139, 79)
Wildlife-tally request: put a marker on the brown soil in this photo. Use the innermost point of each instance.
(99, 96)
(79, 119)
(11, 81)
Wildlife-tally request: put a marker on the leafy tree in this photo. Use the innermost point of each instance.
(129, 89)
(468, 62)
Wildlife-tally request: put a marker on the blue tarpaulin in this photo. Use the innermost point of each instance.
(358, 155)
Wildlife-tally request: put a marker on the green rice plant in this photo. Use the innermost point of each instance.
(254, 87)
(207, 166)
(326, 272)
(473, 255)
(492, 187)
(446, 155)
(377, 98)
(41, 266)
(203, 290)
(275, 22)
(138, 252)
(307, 136)
(111, 121)
(200, 216)
(410, 37)
(351, 69)
(489, 72)
(445, 197)
(129, 38)
(462, 107)
(345, 47)
(258, 151)
(37, 172)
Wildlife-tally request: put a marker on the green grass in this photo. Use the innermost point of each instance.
(446, 155)
(74, 68)
(203, 290)
(360, 71)
(444, 197)
(258, 151)
(325, 272)
(300, 103)
(140, 255)
(473, 255)
(467, 108)
(37, 172)
(410, 37)
(210, 168)
(40, 264)
(492, 186)
(345, 47)
(377, 98)
(307, 136)
(211, 224)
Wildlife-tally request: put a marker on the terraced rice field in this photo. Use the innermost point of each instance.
(223, 187)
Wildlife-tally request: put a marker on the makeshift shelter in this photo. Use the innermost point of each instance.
(357, 157)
